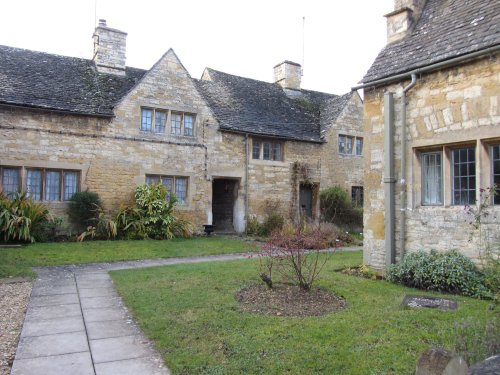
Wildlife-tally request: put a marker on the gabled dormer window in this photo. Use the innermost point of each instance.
(156, 121)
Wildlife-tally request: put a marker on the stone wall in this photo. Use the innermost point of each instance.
(446, 109)
(114, 155)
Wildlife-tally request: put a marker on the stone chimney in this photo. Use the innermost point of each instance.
(288, 75)
(405, 15)
(109, 49)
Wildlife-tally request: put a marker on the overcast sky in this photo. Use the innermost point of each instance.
(245, 38)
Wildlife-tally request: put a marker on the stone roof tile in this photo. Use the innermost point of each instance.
(61, 83)
(446, 29)
(256, 107)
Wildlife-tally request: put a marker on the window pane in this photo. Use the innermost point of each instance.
(167, 182)
(357, 196)
(188, 124)
(348, 145)
(266, 151)
(342, 146)
(255, 149)
(146, 119)
(175, 123)
(10, 180)
(431, 179)
(181, 190)
(464, 176)
(70, 184)
(150, 180)
(276, 151)
(359, 146)
(52, 185)
(496, 171)
(160, 121)
(34, 184)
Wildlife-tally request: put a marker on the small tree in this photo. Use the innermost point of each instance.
(287, 253)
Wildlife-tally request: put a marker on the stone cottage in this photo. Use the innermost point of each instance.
(432, 119)
(222, 144)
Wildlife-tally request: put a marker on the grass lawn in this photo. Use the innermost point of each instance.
(17, 262)
(191, 314)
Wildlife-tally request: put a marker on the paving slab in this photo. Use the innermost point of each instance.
(111, 328)
(53, 326)
(66, 364)
(56, 299)
(131, 367)
(104, 314)
(98, 292)
(53, 312)
(51, 290)
(119, 348)
(94, 302)
(51, 345)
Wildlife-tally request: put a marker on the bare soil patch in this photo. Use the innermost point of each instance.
(288, 300)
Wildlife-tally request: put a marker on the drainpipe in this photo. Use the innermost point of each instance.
(247, 157)
(402, 232)
(389, 180)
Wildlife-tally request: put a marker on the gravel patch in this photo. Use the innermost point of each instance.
(14, 297)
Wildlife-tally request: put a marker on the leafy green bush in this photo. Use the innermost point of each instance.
(337, 208)
(273, 222)
(253, 226)
(83, 209)
(20, 218)
(152, 217)
(48, 231)
(448, 271)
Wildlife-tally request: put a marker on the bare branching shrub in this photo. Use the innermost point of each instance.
(295, 254)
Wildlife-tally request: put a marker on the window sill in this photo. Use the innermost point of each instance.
(268, 162)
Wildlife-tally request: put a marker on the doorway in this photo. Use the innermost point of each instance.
(306, 200)
(224, 193)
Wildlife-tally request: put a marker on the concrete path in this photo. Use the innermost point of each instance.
(77, 324)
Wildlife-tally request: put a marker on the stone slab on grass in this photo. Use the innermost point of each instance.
(429, 302)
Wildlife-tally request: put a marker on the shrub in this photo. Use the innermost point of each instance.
(21, 218)
(253, 226)
(152, 217)
(84, 209)
(273, 222)
(157, 213)
(48, 231)
(337, 207)
(286, 252)
(448, 271)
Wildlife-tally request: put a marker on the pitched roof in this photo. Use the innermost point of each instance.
(68, 84)
(446, 29)
(256, 107)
